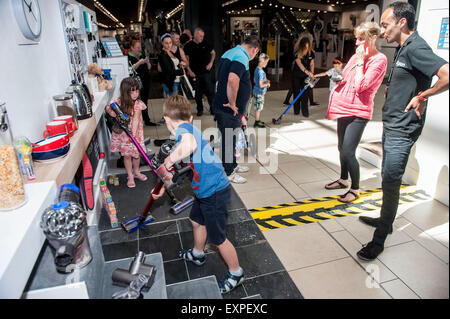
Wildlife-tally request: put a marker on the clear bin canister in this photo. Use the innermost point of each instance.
(12, 191)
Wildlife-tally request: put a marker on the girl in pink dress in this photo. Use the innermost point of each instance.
(130, 104)
(351, 103)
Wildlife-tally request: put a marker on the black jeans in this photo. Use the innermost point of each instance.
(203, 85)
(227, 123)
(298, 84)
(396, 149)
(350, 130)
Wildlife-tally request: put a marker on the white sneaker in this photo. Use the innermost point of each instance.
(241, 169)
(235, 178)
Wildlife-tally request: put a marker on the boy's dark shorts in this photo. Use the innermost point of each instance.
(212, 212)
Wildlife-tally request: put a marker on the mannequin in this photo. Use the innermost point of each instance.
(332, 29)
(317, 30)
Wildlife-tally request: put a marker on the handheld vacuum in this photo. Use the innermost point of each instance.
(310, 84)
(170, 179)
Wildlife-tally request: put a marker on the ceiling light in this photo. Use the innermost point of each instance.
(142, 4)
(99, 6)
(175, 10)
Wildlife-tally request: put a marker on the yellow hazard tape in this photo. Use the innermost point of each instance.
(314, 210)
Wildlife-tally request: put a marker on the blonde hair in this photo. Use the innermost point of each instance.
(300, 47)
(177, 108)
(368, 29)
(263, 57)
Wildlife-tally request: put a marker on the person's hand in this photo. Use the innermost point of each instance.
(268, 83)
(361, 52)
(168, 163)
(244, 120)
(233, 107)
(339, 78)
(209, 66)
(418, 106)
(141, 61)
(311, 76)
(191, 74)
(183, 64)
(110, 111)
(159, 194)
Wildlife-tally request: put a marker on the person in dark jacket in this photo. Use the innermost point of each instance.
(170, 67)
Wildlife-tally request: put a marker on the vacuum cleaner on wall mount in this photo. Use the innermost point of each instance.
(309, 84)
(170, 179)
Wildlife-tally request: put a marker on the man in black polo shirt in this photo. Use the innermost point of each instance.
(404, 111)
(233, 92)
(201, 58)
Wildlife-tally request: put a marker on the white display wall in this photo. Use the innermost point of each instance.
(31, 74)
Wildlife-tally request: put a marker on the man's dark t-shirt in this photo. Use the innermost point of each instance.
(411, 72)
(142, 70)
(235, 60)
(199, 56)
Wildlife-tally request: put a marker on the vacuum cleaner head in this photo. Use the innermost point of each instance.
(137, 222)
(123, 277)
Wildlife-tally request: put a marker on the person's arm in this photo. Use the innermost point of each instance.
(374, 73)
(135, 121)
(418, 103)
(232, 91)
(320, 75)
(184, 59)
(186, 147)
(312, 66)
(303, 69)
(210, 64)
(159, 68)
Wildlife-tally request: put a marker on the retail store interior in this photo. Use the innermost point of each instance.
(66, 202)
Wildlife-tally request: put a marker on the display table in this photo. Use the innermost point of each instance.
(21, 237)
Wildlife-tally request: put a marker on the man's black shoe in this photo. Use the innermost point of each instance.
(150, 124)
(372, 221)
(315, 104)
(370, 251)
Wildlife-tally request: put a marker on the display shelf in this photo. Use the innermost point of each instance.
(63, 170)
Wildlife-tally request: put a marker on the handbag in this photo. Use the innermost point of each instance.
(186, 87)
(135, 76)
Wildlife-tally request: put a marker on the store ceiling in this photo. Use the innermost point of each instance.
(127, 11)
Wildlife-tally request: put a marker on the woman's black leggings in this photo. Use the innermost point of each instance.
(350, 130)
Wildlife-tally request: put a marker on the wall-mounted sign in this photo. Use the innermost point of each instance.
(443, 35)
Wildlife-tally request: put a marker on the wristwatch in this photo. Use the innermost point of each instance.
(421, 98)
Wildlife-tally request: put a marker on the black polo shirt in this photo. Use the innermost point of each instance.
(235, 60)
(412, 70)
(199, 56)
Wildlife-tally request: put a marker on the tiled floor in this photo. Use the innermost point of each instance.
(321, 257)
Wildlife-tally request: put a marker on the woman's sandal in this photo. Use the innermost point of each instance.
(341, 197)
(140, 176)
(341, 185)
(130, 182)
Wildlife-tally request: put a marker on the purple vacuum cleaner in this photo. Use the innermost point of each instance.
(170, 179)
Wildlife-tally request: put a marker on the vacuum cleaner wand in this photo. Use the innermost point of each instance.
(310, 84)
(131, 225)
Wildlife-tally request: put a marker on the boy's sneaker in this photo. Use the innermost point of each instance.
(187, 254)
(241, 169)
(259, 124)
(238, 179)
(230, 282)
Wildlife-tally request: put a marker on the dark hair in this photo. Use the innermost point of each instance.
(300, 46)
(253, 41)
(404, 10)
(126, 103)
(184, 38)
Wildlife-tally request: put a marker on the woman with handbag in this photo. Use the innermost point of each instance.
(141, 66)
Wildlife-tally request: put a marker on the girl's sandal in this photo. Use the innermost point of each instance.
(140, 176)
(130, 182)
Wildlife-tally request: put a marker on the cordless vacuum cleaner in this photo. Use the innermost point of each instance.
(170, 179)
(310, 84)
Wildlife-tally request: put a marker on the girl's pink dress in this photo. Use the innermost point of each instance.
(346, 99)
(121, 142)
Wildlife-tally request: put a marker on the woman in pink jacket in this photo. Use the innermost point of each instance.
(351, 103)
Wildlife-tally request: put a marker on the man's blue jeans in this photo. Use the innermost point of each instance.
(396, 150)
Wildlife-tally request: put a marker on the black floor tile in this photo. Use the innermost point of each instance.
(158, 229)
(244, 233)
(115, 236)
(214, 265)
(235, 201)
(273, 286)
(258, 259)
(168, 245)
(175, 271)
(120, 250)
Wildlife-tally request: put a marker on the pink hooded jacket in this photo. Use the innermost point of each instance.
(346, 99)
